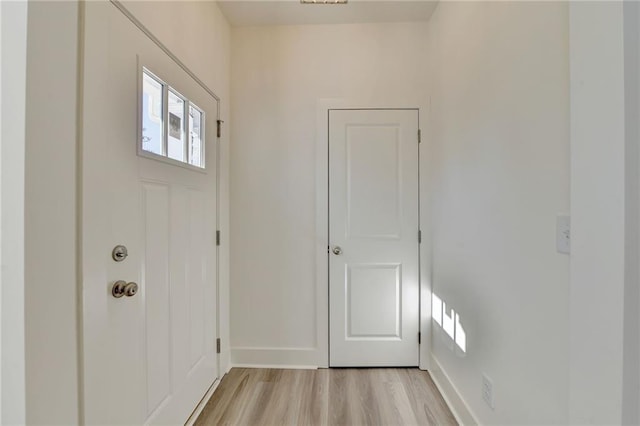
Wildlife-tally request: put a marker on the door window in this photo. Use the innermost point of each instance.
(152, 102)
(172, 126)
(176, 147)
(196, 135)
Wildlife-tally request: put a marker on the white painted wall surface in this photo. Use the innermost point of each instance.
(631, 346)
(13, 62)
(50, 214)
(200, 36)
(279, 76)
(604, 185)
(499, 174)
(1, 61)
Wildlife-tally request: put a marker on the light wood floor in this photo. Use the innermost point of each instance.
(380, 396)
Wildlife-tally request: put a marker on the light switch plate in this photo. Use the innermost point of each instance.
(563, 234)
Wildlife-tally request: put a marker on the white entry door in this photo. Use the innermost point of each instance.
(373, 237)
(148, 357)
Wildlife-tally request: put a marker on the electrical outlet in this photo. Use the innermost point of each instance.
(487, 391)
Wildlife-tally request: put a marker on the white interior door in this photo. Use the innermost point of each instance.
(148, 358)
(373, 237)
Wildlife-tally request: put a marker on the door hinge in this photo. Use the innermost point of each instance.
(419, 237)
(419, 338)
(219, 128)
(218, 345)
(419, 136)
(217, 238)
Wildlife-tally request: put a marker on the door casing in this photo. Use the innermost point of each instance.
(322, 231)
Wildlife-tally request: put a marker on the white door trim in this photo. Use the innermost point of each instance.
(165, 49)
(12, 221)
(322, 233)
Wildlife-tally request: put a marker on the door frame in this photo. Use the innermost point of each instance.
(322, 232)
(13, 396)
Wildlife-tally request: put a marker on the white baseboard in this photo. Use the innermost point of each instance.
(278, 367)
(461, 411)
(275, 357)
(203, 402)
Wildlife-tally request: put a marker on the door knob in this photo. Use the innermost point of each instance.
(337, 250)
(122, 288)
(131, 289)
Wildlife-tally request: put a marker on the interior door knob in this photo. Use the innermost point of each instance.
(337, 250)
(131, 289)
(118, 289)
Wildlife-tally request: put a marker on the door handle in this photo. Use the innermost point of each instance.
(337, 250)
(122, 288)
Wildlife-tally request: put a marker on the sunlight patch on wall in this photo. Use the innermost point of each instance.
(436, 309)
(449, 321)
(460, 335)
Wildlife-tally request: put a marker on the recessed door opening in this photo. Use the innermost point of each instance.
(373, 238)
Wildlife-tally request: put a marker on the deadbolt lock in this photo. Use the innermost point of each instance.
(119, 253)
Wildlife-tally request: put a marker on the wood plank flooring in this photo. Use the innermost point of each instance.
(376, 396)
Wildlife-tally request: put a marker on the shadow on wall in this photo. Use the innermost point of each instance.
(450, 324)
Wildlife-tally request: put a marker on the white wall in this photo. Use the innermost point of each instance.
(13, 62)
(50, 214)
(631, 345)
(499, 175)
(281, 75)
(51, 152)
(604, 201)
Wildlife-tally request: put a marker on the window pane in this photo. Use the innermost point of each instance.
(167, 130)
(176, 145)
(151, 114)
(196, 136)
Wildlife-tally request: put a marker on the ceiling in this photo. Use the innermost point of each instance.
(292, 12)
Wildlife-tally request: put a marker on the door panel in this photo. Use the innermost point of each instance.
(196, 274)
(151, 357)
(157, 300)
(373, 181)
(373, 219)
(373, 301)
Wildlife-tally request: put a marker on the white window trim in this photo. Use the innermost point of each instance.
(165, 124)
